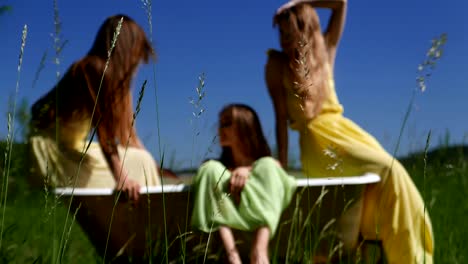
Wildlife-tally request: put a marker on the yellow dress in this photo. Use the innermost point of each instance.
(394, 210)
(58, 164)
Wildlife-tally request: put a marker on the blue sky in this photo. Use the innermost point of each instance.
(375, 71)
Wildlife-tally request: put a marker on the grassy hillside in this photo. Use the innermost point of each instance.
(33, 219)
(443, 184)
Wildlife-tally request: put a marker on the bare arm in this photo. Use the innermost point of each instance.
(135, 139)
(130, 135)
(111, 154)
(86, 72)
(274, 81)
(335, 25)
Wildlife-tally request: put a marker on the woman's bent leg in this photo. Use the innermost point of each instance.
(259, 251)
(229, 245)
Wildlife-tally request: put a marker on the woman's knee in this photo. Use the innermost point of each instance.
(212, 170)
(266, 162)
(211, 166)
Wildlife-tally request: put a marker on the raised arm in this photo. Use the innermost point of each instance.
(335, 25)
(274, 82)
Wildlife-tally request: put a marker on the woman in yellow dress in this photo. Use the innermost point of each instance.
(301, 85)
(92, 95)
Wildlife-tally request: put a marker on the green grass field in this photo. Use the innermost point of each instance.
(33, 219)
(444, 187)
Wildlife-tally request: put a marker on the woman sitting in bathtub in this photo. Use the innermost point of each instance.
(245, 189)
(87, 97)
(300, 79)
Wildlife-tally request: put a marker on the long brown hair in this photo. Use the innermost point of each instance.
(303, 43)
(80, 89)
(249, 130)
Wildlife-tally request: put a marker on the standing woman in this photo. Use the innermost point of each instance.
(301, 85)
(246, 189)
(90, 97)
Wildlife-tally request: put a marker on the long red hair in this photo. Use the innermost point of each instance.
(87, 86)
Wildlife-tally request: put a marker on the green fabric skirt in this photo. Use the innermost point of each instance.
(266, 194)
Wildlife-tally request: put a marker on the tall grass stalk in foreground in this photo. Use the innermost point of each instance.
(198, 110)
(222, 198)
(426, 148)
(67, 237)
(11, 134)
(109, 53)
(58, 45)
(119, 193)
(147, 6)
(148, 199)
(424, 72)
(39, 69)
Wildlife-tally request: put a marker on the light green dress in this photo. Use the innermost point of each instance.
(267, 193)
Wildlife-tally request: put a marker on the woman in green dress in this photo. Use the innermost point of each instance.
(245, 189)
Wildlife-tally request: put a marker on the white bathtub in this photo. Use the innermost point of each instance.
(138, 230)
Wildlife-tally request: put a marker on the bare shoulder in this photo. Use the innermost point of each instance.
(274, 66)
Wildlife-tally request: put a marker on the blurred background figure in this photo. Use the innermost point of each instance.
(89, 96)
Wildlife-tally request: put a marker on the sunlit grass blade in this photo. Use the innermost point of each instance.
(11, 135)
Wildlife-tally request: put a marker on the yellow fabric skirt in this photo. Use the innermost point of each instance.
(62, 167)
(394, 211)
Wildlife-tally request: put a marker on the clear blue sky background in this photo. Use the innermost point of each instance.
(383, 43)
